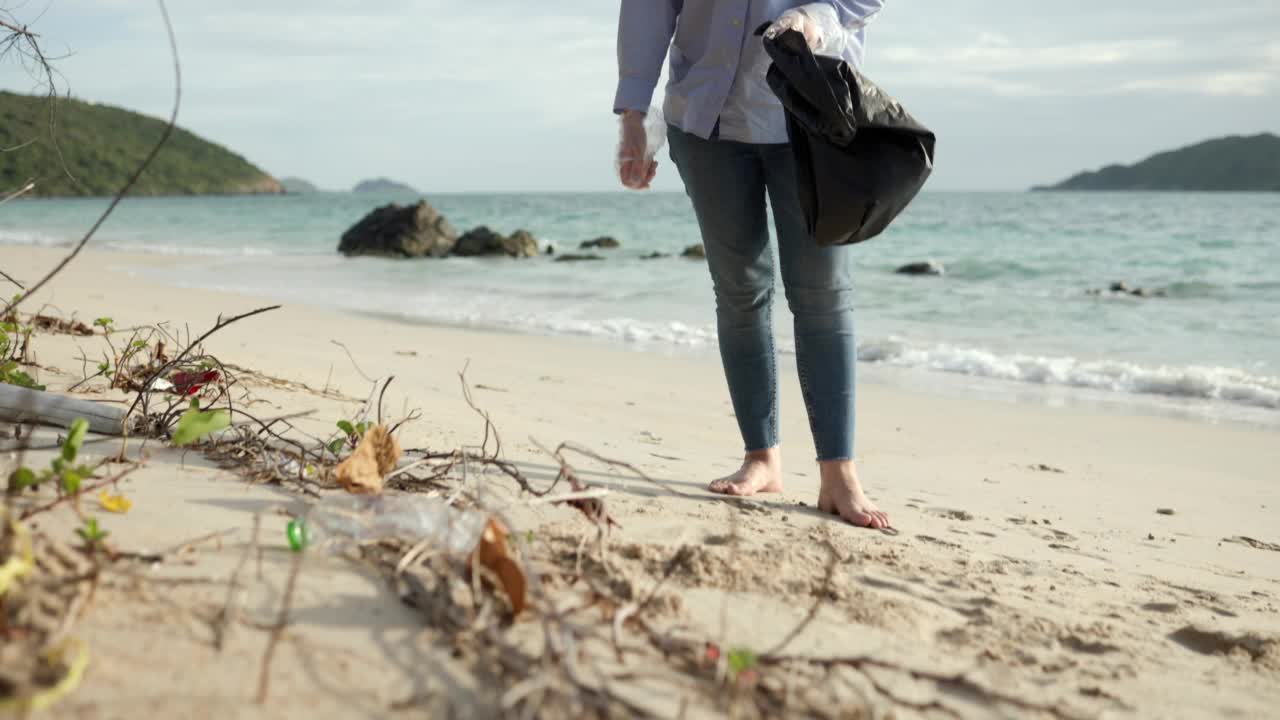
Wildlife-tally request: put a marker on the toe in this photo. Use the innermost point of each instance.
(859, 519)
(721, 487)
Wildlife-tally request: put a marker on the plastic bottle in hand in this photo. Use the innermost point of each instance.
(635, 165)
(347, 520)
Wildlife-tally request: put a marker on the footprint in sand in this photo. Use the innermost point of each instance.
(937, 541)
(950, 514)
(1250, 542)
(1078, 644)
(1258, 647)
(1041, 467)
(748, 507)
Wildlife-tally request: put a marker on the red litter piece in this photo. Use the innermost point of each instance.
(189, 383)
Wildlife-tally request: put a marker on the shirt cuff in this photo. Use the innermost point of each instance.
(633, 94)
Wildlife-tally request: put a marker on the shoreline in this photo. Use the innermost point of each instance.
(965, 383)
(1211, 411)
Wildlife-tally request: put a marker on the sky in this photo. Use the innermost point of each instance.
(516, 95)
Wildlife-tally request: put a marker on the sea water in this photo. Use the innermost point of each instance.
(1012, 310)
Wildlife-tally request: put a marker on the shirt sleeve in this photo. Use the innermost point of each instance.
(645, 28)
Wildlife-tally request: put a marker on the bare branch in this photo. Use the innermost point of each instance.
(120, 194)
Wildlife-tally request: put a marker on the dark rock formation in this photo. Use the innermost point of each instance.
(483, 242)
(399, 231)
(655, 256)
(929, 267)
(577, 257)
(1122, 288)
(695, 251)
(600, 243)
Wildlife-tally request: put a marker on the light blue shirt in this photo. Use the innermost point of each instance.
(717, 68)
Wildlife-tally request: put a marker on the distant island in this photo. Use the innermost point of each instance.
(382, 185)
(102, 145)
(298, 186)
(1236, 164)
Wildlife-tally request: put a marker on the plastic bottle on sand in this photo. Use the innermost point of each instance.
(344, 520)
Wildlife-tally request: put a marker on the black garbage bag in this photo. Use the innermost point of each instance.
(860, 157)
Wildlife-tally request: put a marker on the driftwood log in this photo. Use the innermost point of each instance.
(19, 405)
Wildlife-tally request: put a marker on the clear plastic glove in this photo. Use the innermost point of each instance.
(822, 30)
(641, 136)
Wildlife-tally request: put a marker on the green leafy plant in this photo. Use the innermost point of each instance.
(741, 660)
(14, 339)
(62, 468)
(107, 324)
(90, 531)
(11, 375)
(196, 424)
(352, 432)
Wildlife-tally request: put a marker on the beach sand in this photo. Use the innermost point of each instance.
(1031, 574)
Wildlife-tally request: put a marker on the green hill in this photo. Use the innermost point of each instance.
(382, 185)
(102, 146)
(298, 186)
(1236, 163)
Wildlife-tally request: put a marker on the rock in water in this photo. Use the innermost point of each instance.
(600, 243)
(397, 231)
(478, 241)
(654, 255)
(929, 267)
(695, 251)
(522, 243)
(1122, 288)
(577, 257)
(484, 242)
(1149, 292)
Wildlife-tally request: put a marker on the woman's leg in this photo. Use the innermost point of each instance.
(725, 180)
(818, 283)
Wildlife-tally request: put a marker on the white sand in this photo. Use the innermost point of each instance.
(1066, 589)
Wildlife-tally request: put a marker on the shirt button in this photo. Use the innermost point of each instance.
(737, 22)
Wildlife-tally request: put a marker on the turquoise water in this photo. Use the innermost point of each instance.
(1012, 306)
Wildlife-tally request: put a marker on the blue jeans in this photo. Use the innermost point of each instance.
(728, 183)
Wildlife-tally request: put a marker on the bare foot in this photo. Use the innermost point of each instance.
(761, 472)
(841, 494)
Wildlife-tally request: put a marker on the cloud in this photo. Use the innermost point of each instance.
(1223, 84)
(995, 64)
(995, 54)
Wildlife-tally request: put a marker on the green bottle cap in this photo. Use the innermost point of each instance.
(297, 534)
